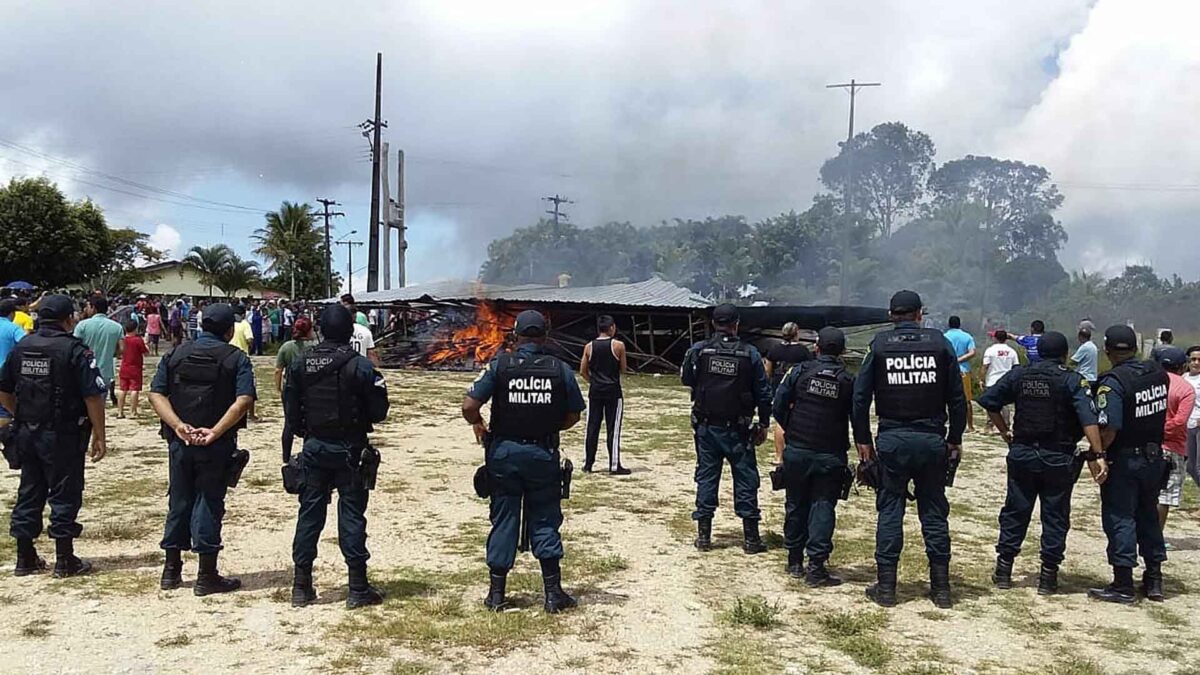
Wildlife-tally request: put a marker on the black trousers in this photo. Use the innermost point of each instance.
(51, 471)
(610, 411)
(1036, 475)
(196, 497)
(329, 466)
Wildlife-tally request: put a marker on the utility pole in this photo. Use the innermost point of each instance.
(852, 86)
(328, 247)
(386, 220)
(350, 244)
(372, 127)
(556, 212)
(402, 244)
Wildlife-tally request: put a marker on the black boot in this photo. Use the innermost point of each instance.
(752, 543)
(1002, 577)
(1119, 591)
(818, 576)
(362, 593)
(210, 581)
(939, 585)
(66, 564)
(883, 591)
(796, 562)
(495, 598)
(1152, 582)
(557, 599)
(303, 593)
(28, 561)
(172, 574)
(704, 534)
(1048, 579)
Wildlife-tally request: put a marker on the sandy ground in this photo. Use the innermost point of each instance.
(648, 601)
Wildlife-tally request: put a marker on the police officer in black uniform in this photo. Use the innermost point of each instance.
(729, 386)
(1054, 410)
(913, 375)
(812, 405)
(201, 391)
(332, 397)
(1132, 400)
(53, 389)
(534, 396)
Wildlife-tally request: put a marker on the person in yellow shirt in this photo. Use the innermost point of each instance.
(243, 336)
(21, 317)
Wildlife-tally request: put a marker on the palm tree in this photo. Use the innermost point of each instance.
(209, 262)
(289, 232)
(236, 275)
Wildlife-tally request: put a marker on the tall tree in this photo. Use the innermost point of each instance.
(236, 275)
(294, 249)
(126, 251)
(888, 167)
(209, 261)
(45, 239)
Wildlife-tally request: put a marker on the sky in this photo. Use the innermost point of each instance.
(188, 120)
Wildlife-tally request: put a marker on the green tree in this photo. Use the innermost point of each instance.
(126, 251)
(209, 261)
(294, 249)
(888, 167)
(45, 239)
(236, 275)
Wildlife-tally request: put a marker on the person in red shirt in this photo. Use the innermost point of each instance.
(1181, 398)
(130, 376)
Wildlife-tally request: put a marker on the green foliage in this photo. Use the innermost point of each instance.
(125, 251)
(753, 611)
(209, 261)
(294, 248)
(46, 240)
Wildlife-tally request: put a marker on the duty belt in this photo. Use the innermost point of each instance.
(1148, 451)
(1049, 447)
(545, 442)
(734, 423)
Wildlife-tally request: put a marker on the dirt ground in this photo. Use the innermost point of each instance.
(649, 602)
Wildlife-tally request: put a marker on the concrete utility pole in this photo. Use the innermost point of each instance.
(328, 246)
(349, 261)
(401, 229)
(386, 220)
(373, 128)
(556, 211)
(852, 86)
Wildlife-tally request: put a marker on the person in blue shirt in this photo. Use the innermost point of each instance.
(10, 333)
(201, 392)
(1030, 342)
(1087, 357)
(964, 349)
(534, 397)
(731, 412)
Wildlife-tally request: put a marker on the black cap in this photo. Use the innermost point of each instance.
(1052, 345)
(725, 314)
(218, 319)
(337, 324)
(905, 301)
(530, 323)
(1172, 357)
(831, 341)
(55, 308)
(1120, 338)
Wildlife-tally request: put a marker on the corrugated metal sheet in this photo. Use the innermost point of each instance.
(653, 292)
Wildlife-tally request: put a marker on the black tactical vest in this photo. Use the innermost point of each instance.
(820, 415)
(1046, 408)
(47, 389)
(1144, 413)
(724, 381)
(203, 383)
(329, 404)
(530, 400)
(910, 365)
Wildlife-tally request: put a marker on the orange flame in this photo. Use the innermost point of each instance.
(480, 340)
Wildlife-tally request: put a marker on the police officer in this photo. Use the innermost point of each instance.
(201, 392)
(332, 397)
(812, 406)
(534, 396)
(1054, 410)
(913, 375)
(51, 385)
(1132, 400)
(729, 386)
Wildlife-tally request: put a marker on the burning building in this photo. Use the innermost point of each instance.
(462, 324)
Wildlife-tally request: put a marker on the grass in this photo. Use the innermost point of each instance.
(1019, 615)
(406, 667)
(122, 530)
(855, 634)
(181, 640)
(1069, 665)
(753, 611)
(740, 653)
(36, 629)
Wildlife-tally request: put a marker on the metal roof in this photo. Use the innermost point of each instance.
(653, 292)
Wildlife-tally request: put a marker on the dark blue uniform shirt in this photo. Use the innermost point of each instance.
(762, 385)
(1110, 398)
(1006, 391)
(368, 383)
(245, 372)
(82, 361)
(485, 385)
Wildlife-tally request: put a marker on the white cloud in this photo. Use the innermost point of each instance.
(167, 239)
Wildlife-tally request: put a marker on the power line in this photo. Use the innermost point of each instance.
(349, 244)
(852, 86)
(328, 249)
(558, 201)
